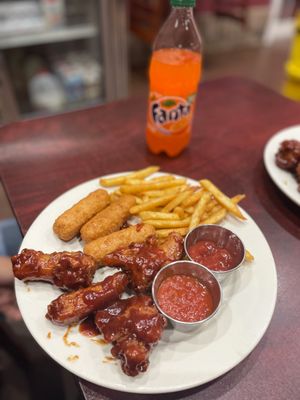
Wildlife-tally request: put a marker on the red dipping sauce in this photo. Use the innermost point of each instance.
(185, 298)
(207, 253)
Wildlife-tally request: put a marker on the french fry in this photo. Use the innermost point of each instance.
(211, 212)
(163, 233)
(138, 200)
(199, 210)
(131, 189)
(151, 204)
(108, 182)
(176, 201)
(162, 178)
(119, 180)
(170, 204)
(161, 224)
(145, 215)
(145, 172)
(222, 198)
(133, 181)
(248, 256)
(215, 217)
(210, 205)
(239, 197)
(179, 211)
(190, 210)
(215, 209)
(204, 216)
(193, 199)
(164, 192)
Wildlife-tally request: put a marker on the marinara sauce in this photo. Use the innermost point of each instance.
(185, 298)
(207, 253)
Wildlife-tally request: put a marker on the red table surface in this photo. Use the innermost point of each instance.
(42, 158)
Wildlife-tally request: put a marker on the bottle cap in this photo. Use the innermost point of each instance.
(183, 3)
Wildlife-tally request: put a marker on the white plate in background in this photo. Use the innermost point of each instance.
(285, 180)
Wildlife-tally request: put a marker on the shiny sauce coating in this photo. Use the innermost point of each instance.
(88, 327)
(209, 254)
(185, 298)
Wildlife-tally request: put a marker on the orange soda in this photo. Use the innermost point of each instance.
(174, 73)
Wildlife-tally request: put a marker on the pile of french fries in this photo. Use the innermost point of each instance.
(171, 204)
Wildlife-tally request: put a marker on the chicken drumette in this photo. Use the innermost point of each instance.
(72, 307)
(67, 270)
(133, 326)
(288, 157)
(141, 261)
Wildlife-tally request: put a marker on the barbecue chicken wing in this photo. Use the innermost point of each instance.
(288, 157)
(133, 326)
(67, 270)
(141, 261)
(75, 306)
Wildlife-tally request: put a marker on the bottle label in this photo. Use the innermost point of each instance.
(170, 114)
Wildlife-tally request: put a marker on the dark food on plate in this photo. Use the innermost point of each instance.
(67, 270)
(102, 246)
(133, 326)
(72, 307)
(288, 157)
(109, 220)
(68, 224)
(168, 207)
(142, 261)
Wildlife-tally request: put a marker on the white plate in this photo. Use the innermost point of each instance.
(283, 179)
(179, 361)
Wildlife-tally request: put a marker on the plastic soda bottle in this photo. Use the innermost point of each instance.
(175, 71)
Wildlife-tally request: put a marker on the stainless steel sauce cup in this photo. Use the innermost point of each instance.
(203, 274)
(222, 237)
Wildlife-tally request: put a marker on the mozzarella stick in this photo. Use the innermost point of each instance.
(102, 246)
(108, 220)
(68, 224)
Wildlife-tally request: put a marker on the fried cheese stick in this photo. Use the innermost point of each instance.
(108, 220)
(102, 246)
(68, 224)
(72, 307)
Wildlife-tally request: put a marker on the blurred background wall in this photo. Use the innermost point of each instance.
(85, 53)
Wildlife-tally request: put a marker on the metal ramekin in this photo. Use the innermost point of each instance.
(222, 237)
(203, 274)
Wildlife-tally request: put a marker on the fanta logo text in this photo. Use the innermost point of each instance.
(162, 115)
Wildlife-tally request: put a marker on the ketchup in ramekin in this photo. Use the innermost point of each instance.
(217, 248)
(187, 294)
(185, 298)
(212, 255)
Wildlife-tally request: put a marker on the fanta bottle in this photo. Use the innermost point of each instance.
(175, 71)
